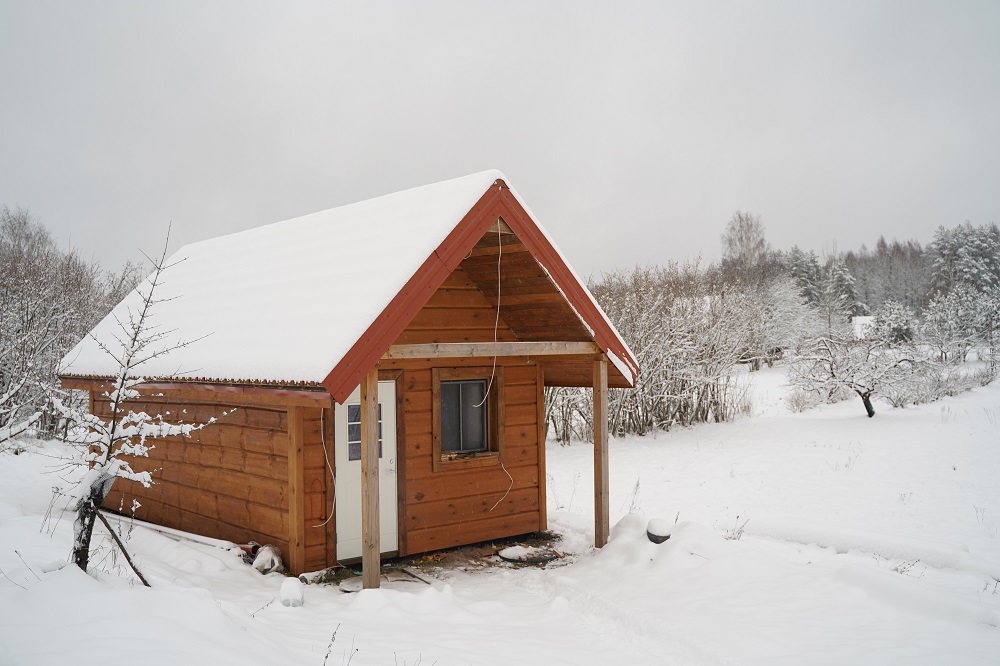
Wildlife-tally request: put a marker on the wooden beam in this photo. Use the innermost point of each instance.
(224, 393)
(329, 441)
(370, 550)
(601, 505)
(485, 349)
(296, 493)
(543, 519)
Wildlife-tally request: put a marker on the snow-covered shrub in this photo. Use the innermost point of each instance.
(569, 413)
(799, 400)
(933, 380)
(689, 332)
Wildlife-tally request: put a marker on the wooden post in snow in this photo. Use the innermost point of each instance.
(601, 504)
(370, 551)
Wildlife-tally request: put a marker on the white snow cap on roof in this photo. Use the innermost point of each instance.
(286, 301)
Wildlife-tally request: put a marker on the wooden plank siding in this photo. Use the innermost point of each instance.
(229, 480)
(457, 312)
(453, 506)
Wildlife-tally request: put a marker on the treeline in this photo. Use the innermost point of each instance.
(49, 299)
(695, 329)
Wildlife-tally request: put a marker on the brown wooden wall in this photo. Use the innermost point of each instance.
(452, 507)
(231, 479)
(457, 312)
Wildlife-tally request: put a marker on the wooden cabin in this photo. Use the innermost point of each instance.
(386, 361)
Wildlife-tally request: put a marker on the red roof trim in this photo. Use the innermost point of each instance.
(496, 202)
(401, 310)
(538, 244)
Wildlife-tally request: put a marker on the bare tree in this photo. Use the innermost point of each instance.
(746, 255)
(107, 446)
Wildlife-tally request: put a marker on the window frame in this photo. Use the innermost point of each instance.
(351, 422)
(494, 453)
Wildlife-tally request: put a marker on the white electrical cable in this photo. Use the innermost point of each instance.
(508, 487)
(496, 326)
(322, 435)
(496, 322)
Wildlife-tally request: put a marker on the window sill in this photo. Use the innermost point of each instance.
(466, 460)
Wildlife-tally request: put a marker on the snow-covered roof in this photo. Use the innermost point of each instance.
(284, 303)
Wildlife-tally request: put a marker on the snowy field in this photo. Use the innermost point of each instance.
(816, 538)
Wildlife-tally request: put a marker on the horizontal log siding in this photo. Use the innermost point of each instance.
(452, 507)
(457, 312)
(227, 481)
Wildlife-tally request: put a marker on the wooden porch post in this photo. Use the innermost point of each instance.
(370, 551)
(601, 504)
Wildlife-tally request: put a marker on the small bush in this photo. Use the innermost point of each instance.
(799, 400)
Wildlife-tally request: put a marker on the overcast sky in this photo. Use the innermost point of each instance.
(633, 130)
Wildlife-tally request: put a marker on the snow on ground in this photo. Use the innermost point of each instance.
(850, 540)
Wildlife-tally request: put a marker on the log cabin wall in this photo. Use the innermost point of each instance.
(452, 507)
(229, 480)
(457, 312)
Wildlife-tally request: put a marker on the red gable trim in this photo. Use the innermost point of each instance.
(401, 310)
(496, 202)
(538, 244)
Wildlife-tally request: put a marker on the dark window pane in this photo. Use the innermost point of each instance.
(463, 418)
(451, 415)
(473, 416)
(354, 450)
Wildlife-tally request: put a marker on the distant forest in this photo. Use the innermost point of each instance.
(695, 328)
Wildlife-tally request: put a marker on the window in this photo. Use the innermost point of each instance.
(463, 416)
(467, 412)
(354, 432)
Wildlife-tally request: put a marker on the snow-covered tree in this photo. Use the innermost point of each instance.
(107, 446)
(895, 323)
(804, 268)
(838, 297)
(893, 271)
(49, 299)
(952, 322)
(989, 324)
(866, 367)
(965, 255)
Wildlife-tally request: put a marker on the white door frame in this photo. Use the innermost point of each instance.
(348, 481)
